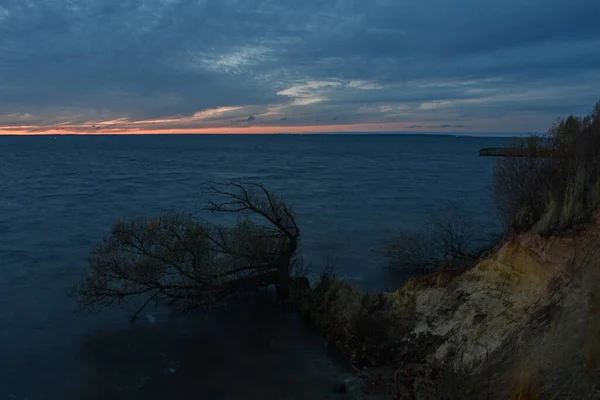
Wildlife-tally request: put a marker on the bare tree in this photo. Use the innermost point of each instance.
(182, 260)
(552, 195)
(446, 241)
(253, 199)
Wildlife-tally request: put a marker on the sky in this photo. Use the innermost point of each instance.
(253, 66)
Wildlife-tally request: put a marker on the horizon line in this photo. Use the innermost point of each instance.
(148, 128)
(365, 133)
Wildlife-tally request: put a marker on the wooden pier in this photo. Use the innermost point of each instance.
(515, 152)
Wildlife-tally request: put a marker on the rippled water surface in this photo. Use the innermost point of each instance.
(59, 196)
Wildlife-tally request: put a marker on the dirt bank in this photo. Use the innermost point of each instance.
(470, 333)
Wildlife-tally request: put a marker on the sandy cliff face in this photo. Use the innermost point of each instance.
(507, 317)
(482, 316)
(476, 312)
(473, 314)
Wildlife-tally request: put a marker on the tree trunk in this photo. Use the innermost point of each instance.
(282, 284)
(283, 288)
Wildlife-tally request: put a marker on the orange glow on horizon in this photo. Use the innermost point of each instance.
(84, 130)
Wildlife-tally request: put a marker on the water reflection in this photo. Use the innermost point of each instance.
(251, 349)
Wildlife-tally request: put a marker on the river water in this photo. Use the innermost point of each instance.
(60, 195)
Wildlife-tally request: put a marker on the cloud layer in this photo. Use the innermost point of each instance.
(122, 65)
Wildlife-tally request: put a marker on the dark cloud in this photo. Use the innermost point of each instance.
(196, 63)
(441, 126)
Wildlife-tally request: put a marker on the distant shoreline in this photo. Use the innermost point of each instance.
(429, 134)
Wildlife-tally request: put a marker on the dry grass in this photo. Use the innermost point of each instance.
(554, 194)
(564, 361)
(579, 202)
(434, 280)
(525, 391)
(362, 327)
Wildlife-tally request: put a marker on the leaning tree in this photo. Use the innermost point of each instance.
(183, 260)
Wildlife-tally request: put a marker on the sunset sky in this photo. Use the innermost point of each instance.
(250, 66)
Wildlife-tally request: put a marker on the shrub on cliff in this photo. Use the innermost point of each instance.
(361, 327)
(446, 241)
(184, 261)
(555, 193)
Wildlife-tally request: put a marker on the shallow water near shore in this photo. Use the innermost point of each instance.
(58, 197)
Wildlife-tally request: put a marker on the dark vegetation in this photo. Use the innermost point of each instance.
(554, 194)
(360, 327)
(448, 240)
(187, 262)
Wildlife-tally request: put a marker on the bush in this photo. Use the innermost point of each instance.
(359, 327)
(555, 193)
(447, 241)
(181, 260)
